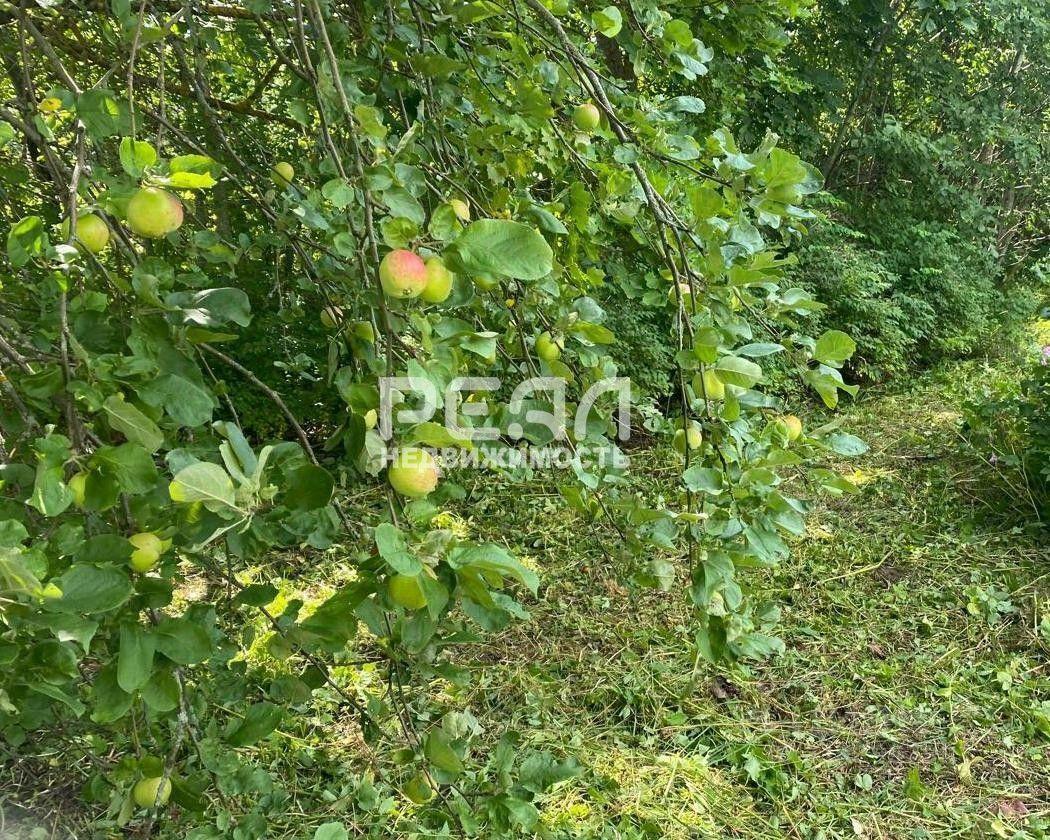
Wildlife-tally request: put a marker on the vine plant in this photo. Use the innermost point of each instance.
(170, 167)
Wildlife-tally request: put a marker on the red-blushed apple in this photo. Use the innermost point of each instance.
(403, 274)
(791, 425)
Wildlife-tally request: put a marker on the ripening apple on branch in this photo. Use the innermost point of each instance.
(154, 213)
(414, 472)
(92, 232)
(586, 116)
(403, 274)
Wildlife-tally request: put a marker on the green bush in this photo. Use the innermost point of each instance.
(1011, 421)
(861, 293)
(911, 293)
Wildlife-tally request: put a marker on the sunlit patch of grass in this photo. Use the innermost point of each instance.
(683, 795)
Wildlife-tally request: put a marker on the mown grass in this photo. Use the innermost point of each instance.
(913, 700)
(909, 703)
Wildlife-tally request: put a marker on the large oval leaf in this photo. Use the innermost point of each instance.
(509, 249)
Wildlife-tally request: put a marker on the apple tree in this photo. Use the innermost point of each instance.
(434, 190)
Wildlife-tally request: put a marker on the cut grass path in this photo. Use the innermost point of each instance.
(913, 699)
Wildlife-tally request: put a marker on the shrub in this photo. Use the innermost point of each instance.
(860, 292)
(1010, 422)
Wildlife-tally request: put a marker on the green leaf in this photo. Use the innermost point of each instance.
(703, 480)
(330, 831)
(190, 181)
(129, 464)
(846, 444)
(834, 347)
(135, 657)
(213, 307)
(186, 402)
(198, 164)
(12, 533)
(439, 752)
(334, 622)
(123, 417)
(493, 558)
(256, 595)
(26, 241)
(204, 482)
(338, 192)
(541, 771)
(506, 248)
(260, 720)
(50, 494)
(734, 370)
(91, 589)
(136, 156)
(309, 487)
(608, 21)
(183, 641)
(161, 693)
(109, 701)
(101, 112)
(391, 544)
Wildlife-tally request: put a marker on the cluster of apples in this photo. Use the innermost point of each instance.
(404, 274)
(152, 213)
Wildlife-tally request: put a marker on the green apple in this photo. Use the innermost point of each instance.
(406, 591)
(282, 174)
(486, 282)
(548, 347)
(691, 438)
(791, 425)
(78, 485)
(149, 793)
(685, 292)
(92, 232)
(371, 418)
(586, 116)
(403, 274)
(709, 385)
(414, 472)
(460, 208)
(148, 548)
(439, 281)
(154, 213)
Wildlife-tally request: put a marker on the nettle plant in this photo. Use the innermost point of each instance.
(442, 187)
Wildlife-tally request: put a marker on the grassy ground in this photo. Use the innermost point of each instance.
(913, 700)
